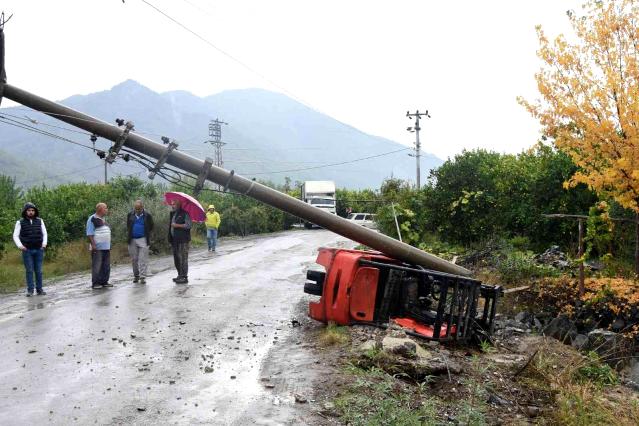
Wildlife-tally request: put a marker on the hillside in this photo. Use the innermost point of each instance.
(269, 136)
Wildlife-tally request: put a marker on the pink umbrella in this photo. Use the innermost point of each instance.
(189, 204)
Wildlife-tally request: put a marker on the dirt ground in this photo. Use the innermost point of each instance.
(500, 385)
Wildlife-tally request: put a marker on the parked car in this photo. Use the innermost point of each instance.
(367, 220)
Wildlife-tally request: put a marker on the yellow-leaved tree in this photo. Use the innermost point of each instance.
(589, 106)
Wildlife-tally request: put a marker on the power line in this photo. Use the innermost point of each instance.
(199, 8)
(169, 174)
(20, 125)
(334, 164)
(228, 55)
(36, 122)
(56, 114)
(50, 113)
(149, 165)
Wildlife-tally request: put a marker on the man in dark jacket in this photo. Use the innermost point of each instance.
(139, 224)
(179, 237)
(30, 236)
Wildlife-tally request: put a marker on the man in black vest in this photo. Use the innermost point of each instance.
(30, 236)
(179, 237)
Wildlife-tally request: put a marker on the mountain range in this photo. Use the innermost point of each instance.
(269, 136)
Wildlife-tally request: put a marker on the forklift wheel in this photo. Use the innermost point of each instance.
(313, 288)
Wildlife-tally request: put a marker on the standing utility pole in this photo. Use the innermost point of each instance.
(215, 139)
(416, 129)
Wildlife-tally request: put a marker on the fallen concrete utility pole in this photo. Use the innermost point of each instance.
(229, 180)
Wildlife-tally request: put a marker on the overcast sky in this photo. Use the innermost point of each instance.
(364, 63)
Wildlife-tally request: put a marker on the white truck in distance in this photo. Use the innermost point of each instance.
(320, 194)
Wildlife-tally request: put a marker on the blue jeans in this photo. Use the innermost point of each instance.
(32, 259)
(211, 237)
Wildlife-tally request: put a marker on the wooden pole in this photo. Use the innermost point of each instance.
(580, 255)
(637, 243)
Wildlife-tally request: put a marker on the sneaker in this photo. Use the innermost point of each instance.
(29, 294)
(181, 281)
(136, 279)
(107, 285)
(142, 280)
(176, 279)
(95, 286)
(42, 293)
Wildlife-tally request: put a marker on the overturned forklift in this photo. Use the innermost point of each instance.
(370, 288)
(428, 296)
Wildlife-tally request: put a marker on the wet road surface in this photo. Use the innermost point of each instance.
(162, 353)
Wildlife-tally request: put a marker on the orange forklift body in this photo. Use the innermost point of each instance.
(368, 287)
(349, 290)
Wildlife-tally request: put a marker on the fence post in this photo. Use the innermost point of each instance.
(581, 254)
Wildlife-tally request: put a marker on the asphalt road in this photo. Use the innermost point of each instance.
(160, 353)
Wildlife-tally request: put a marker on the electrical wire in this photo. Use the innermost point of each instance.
(57, 114)
(36, 122)
(333, 164)
(228, 55)
(173, 175)
(93, 120)
(167, 173)
(24, 126)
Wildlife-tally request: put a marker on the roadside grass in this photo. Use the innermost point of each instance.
(71, 257)
(563, 386)
(334, 334)
(472, 410)
(386, 389)
(585, 389)
(375, 397)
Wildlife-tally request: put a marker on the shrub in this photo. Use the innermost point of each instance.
(520, 243)
(605, 300)
(521, 266)
(596, 372)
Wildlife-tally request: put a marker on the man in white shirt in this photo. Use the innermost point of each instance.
(30, 236)
(99, 234)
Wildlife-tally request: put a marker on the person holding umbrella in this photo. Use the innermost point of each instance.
(179, 237)
(185, 211)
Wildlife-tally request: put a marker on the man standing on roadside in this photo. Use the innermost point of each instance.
(179, 237)
(99, 234)
(212, 225)
(30, 235)
(139, 224)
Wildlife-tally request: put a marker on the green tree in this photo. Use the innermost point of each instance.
(9, 209)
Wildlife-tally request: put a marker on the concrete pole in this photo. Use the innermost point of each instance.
(418, 145)
(418, 148)
(387, 245)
